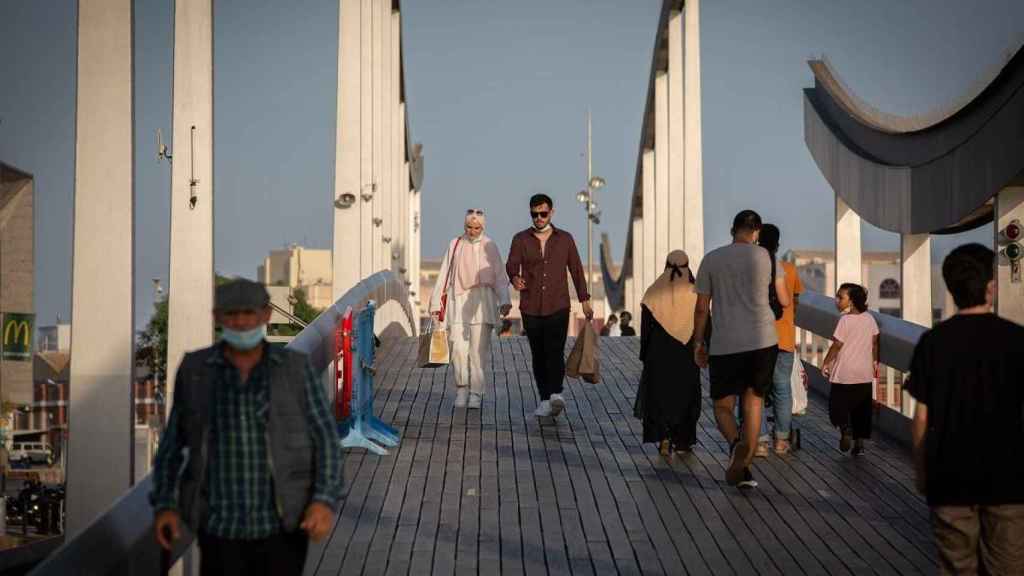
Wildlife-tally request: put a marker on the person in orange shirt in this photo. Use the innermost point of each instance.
(782, 394)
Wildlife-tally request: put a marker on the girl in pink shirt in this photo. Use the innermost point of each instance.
(850, 366)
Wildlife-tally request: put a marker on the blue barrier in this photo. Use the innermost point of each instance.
(362, 429)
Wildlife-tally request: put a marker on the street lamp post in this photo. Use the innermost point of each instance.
(586, 198)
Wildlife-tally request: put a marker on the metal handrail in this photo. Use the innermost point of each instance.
(897, 338)
(124, 533)
(817, 314)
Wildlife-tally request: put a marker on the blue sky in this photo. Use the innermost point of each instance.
(497, 94)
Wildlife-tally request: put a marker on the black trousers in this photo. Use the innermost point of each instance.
(850, 406)
(280, 554)
(547, 346)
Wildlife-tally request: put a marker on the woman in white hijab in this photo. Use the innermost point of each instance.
(474, 287)
(668, 400)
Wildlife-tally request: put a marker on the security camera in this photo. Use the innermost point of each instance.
(345, 200)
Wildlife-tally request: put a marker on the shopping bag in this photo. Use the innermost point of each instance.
(433, 348)
(582, 362)
(798, 383)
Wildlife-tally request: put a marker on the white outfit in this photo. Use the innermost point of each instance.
(471, 313)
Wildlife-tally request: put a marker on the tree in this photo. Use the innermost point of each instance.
(301, 308)
(151, 348)
(152, 345)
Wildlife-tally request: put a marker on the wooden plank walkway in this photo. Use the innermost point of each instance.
(496, 491)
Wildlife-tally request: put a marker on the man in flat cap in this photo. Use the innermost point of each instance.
(263, 473)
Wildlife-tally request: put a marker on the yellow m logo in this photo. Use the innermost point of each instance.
(17, 327)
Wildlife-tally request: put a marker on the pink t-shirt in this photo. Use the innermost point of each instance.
(855, 362)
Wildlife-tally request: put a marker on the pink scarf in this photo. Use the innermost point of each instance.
(476, 264)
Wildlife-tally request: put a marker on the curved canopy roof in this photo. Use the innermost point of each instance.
(935, 173)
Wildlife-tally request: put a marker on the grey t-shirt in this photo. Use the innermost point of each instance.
(737, 278)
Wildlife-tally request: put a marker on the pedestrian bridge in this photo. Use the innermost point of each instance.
(497, 491)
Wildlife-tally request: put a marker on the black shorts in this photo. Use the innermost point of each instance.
(732, 374)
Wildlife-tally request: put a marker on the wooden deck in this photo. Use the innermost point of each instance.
(495, 491)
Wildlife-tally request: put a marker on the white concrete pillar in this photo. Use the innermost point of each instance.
(387, 117)
(366, 164)
(402, 190)
(348, 241)
(650, 209)
(638, 267)
(694, 157)
(416, 252)
(848, 246)
(662, 147)
(916, 278)
(379, 104)
(190, 293)
(395, 249)
(1010, 297)
(677, 207)
(102, 300)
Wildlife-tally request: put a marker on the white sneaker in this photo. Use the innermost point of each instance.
(543, 409)
(460, 397)
(474, 401)
(557, 404)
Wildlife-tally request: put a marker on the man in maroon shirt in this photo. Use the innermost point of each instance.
(537, 265)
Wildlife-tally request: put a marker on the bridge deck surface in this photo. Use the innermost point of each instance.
(495, 491)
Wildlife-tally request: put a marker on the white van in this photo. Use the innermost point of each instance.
(31, 453)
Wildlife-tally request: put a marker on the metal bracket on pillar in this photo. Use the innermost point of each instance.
(193, 182)
(368, 196)
(161, 148)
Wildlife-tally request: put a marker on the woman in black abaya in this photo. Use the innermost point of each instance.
(669, 397)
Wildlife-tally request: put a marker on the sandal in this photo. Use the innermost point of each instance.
(664, 449)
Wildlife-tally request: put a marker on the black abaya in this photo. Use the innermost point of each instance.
(668, 400)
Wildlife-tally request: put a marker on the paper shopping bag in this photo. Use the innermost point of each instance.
(433, 349)
(582, 362)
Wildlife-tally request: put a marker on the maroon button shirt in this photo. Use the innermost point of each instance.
(547, 286)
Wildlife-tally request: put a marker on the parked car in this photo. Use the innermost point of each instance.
(31, 453)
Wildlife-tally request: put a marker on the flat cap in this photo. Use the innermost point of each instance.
(240, 294)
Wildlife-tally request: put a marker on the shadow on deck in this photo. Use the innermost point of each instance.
(495, 491)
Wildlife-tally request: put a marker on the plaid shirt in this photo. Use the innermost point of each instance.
(240, 483)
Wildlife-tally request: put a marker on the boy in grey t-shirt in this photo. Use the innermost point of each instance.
(744, 343)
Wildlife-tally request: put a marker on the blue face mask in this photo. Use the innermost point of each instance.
(244, 339)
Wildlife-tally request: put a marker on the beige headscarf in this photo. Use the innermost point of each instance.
(671, 299)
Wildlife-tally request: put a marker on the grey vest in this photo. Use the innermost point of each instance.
(289, 441)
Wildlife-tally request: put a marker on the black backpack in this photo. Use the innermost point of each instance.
(773, 295)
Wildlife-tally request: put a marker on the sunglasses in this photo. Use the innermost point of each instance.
(541, 214)
(475, 211)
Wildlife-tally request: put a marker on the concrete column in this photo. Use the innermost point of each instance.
(638, 266)
(397, 160)
(848, 247)
(916, 278)
(649, 267)
(190, 294)
(662, 146)
(368, 182)
(387, 117)
(402, 192)
(694, 158)
(676, 167)
(380, 197)
(416, 251)
(348, 242)
(1010, 297)
(100, 466)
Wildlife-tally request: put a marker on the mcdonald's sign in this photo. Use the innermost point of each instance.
(17, 336)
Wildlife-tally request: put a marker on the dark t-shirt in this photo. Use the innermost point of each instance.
(968, 371)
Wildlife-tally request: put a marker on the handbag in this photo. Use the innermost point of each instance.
(433, 344)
